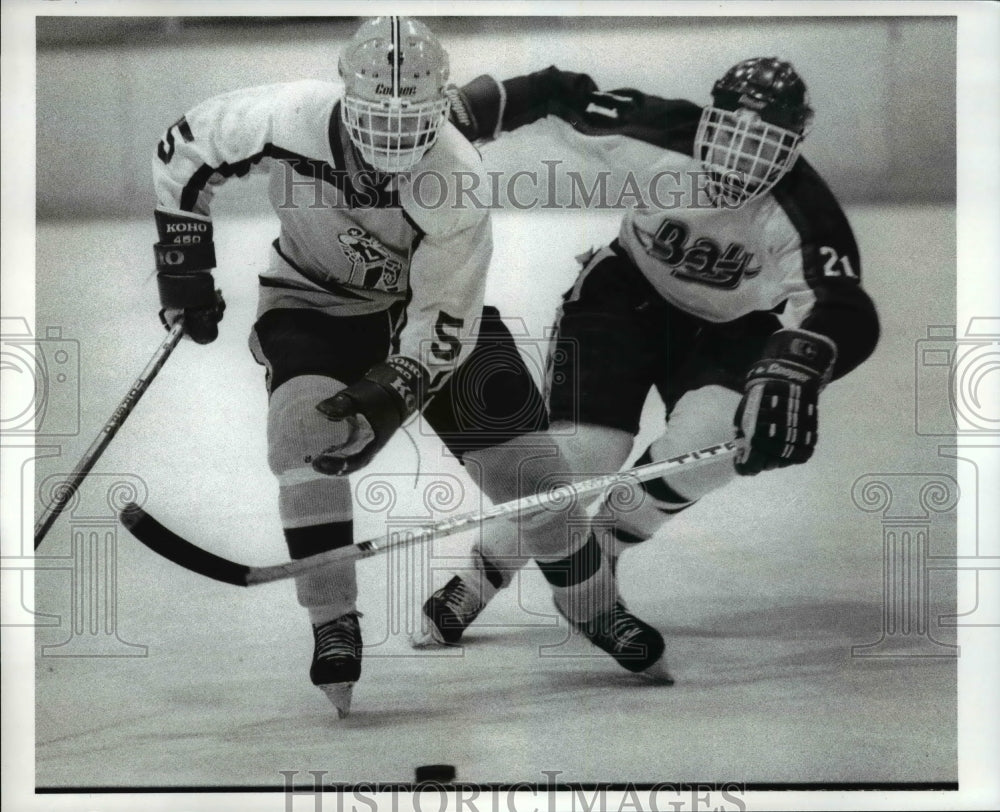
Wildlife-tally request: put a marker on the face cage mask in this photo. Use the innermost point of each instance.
(393, 140)
(744, 156)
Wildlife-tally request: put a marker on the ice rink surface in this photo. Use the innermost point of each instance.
(761, 590)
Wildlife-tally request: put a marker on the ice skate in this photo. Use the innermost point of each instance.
(451, 610)
(336, 664)
(635, 645)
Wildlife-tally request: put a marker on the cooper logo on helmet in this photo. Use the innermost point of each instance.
(386, 90)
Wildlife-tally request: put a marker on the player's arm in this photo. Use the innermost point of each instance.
(823, 274)
(447, 284)
(486, 106)
(842, 311)
(218, 139)
(831, 327)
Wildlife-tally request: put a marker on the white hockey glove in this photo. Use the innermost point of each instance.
(778, 414)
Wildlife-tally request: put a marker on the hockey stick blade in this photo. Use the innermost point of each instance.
(168, 544)
(165, 542)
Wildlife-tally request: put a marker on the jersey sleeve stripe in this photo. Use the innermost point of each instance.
(365, 197)
(843, 311)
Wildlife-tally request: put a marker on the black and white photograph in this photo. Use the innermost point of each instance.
(500, 406)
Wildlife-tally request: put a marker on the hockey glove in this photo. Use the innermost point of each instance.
(373, 408)
(461, 112)
(778, 413)
(185, 256)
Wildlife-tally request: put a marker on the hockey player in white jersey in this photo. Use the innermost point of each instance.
(371, 307)
(739, 299)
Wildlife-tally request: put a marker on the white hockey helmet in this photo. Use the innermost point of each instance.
(394, 72)
(751, 134)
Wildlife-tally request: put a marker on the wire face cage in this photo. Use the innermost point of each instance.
(394, 135)
(744, 156)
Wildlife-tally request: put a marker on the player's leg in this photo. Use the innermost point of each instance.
(608, 348)
(304, 351)
(492, 417)
(484, 414)
(701, 388)
(508, 468)
(701, 418)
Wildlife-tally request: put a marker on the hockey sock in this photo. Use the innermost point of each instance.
(330, 591)
(628, 527)
(495, 554)
(583, 584)
(316, 510)
(492, 572)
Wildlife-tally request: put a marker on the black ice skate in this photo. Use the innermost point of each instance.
(336, 664)
(448, 613)
(635, 645)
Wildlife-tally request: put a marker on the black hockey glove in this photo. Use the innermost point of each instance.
(185, 256)
(374, 408)
(778, 413)
(461, 112)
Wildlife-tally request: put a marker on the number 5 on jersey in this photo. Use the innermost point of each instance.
(447, 345)
(165, 149)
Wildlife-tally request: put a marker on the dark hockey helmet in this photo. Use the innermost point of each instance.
(751, 134)
(769, 86)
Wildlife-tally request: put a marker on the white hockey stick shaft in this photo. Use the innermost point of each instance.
(64, 492)
(560, 495)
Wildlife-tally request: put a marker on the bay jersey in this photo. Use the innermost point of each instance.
(352, 241)
(790, 252)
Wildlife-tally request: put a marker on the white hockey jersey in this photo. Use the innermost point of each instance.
(790, 252)
(351, 241)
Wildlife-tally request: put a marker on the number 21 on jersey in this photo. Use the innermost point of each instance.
(835, 264)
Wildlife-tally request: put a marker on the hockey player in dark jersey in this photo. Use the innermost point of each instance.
(739, 300)
(370, 309)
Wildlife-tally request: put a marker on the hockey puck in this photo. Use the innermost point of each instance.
(435, 773)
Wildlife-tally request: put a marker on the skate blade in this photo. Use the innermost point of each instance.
(657, 673)
(431, 638)
(340, 694)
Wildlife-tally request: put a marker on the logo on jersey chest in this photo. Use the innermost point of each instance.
(701, 260)
(372, 266)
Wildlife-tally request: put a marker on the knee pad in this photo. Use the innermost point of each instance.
(295, 428)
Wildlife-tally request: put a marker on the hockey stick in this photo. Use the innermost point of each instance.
(65, 490)
(171, 546)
